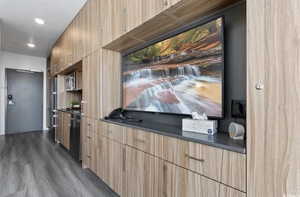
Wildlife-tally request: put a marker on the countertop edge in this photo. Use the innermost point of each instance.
(200, 141)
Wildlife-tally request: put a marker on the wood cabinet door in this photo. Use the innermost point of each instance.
(234, 170)
(93, 143)
(200, 186)
(115, 165)
(175, 180)
(273, 137)
(110, 81)
(196, 157)
(87, 142)
(143, 174)
(66, 130)
(148, 142)
(111, 163)
(59, 130)
(113, 20)
(91, 84)
(115, 132)
(102, 157)
(205, 160)
(179, 182)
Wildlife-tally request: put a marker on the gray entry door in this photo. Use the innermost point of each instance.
(24, 102)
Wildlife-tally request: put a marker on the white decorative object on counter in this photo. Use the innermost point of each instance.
(200, 124)
(236, 131)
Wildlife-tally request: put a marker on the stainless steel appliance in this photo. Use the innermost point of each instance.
(53, 109)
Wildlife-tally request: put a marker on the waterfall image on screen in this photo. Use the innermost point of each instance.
(182, 74)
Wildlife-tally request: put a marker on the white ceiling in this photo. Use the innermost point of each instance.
(19, 28)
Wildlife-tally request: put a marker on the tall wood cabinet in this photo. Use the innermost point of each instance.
(63, 129)
(273, 138)
(103, 28)
(91, 81)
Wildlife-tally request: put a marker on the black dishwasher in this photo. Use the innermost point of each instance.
(75, 136)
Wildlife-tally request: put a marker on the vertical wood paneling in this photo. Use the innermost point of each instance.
(152, 8)
(201, 186)
(91, 70)
(134, 15)
(115, 166)
(273, 138)
(110, 82)
(143, 174)
(234, 170)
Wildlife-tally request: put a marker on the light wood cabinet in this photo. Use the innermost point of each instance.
(91, 34)
(196, 157)
(59, 130)
(116, 166)
(89, 157)
(180, 182)
(234, 170)
(110, 80)
(273, 143)
(145, 141)
(102, 153)
(91, 84)
(220, 165)
(205, 160)
(200, 186)
(110, 163)
(147, 175)
(134, 13)
(62, 134)
(114, 132)
(113, 20)
(143, 174)
(66, 130)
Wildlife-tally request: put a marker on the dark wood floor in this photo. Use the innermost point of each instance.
(31, 166)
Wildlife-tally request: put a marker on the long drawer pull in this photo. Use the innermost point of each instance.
(194, 158)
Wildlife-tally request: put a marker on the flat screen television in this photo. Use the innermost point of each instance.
(180, 74)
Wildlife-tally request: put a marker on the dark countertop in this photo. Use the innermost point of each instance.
(219, 140)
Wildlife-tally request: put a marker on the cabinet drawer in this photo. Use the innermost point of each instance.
(88, 133)
(199, 158)
(90, 127)
(234, 170)
(146, 141)
(114, 132)
(87, 157)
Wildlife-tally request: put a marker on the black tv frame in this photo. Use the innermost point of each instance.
(182, 29)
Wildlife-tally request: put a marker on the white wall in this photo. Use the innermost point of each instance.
(17, 61)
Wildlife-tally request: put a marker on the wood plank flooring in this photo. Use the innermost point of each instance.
(32, 166)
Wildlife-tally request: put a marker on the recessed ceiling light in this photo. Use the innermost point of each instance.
(39, 21)
(30, 45)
